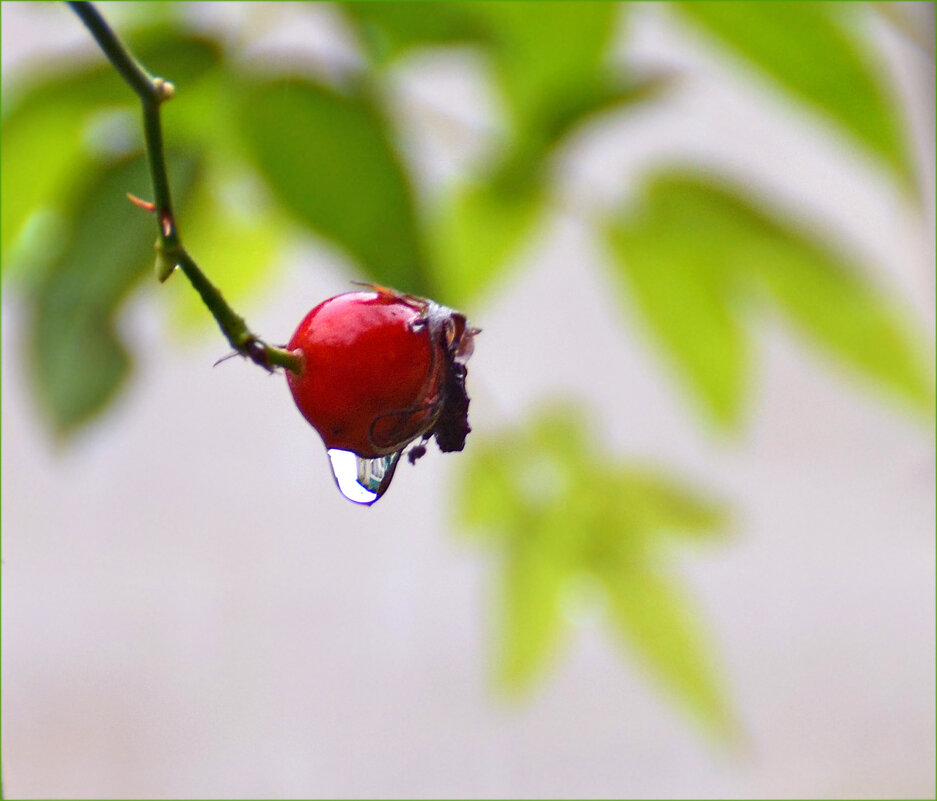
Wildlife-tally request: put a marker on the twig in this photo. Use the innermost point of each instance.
(153, 92)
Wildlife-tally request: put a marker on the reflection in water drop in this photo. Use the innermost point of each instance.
(362, 480)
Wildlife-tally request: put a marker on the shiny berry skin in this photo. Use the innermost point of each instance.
(377, 369)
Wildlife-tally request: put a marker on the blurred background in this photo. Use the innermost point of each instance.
(688, 550)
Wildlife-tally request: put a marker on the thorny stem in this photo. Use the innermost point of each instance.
(153, 91)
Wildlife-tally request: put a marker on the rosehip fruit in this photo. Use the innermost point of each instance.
(380, 369)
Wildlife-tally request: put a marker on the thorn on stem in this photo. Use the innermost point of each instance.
(165, 219)
(253, 349)
(256, 351)
(231, 355)
(143, 204)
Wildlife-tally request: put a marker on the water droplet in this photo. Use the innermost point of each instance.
(359, 479)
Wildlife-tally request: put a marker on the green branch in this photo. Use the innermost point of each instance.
(170, 253)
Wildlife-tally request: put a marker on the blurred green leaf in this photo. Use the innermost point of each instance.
(390, 29)
(547, 54)
(548, 58)
(672, 252)
(693, 251)
(549, 65)
(653, 501)
(836, 308)
(476, 230)
(658, 622)
(810, 49)
(28, 183)
(75, 356)
(480, 226)
(521, 167)
(329, 159)
(560, 510)
(44, 146)
(233, 232)
(530, 628)
(597, 95)
(543, 51)
(489, 504)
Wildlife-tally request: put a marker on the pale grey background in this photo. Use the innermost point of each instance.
(191, 609)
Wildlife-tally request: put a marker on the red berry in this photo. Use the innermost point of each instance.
(379, 369)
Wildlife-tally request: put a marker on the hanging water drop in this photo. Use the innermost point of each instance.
(359, 479)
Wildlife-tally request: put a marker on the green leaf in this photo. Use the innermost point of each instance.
(328, 158)
(671, 253)
(838, 310)
(658, 622)
(562, 513)
(546, 54)
(489, 504)
(693, 251)
(531, 624)
(390, 29)
(30, 183)
(76, 358)
(549, 64)
(542, 51)
(45, 148)
(548, 59)
(236, 235)
(650, 500)
(811, 50)
(475, 233)
(480, 227)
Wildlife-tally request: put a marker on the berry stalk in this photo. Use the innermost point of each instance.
(170, 253)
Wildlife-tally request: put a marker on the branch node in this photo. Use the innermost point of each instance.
(256, 351)
(164, 90)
